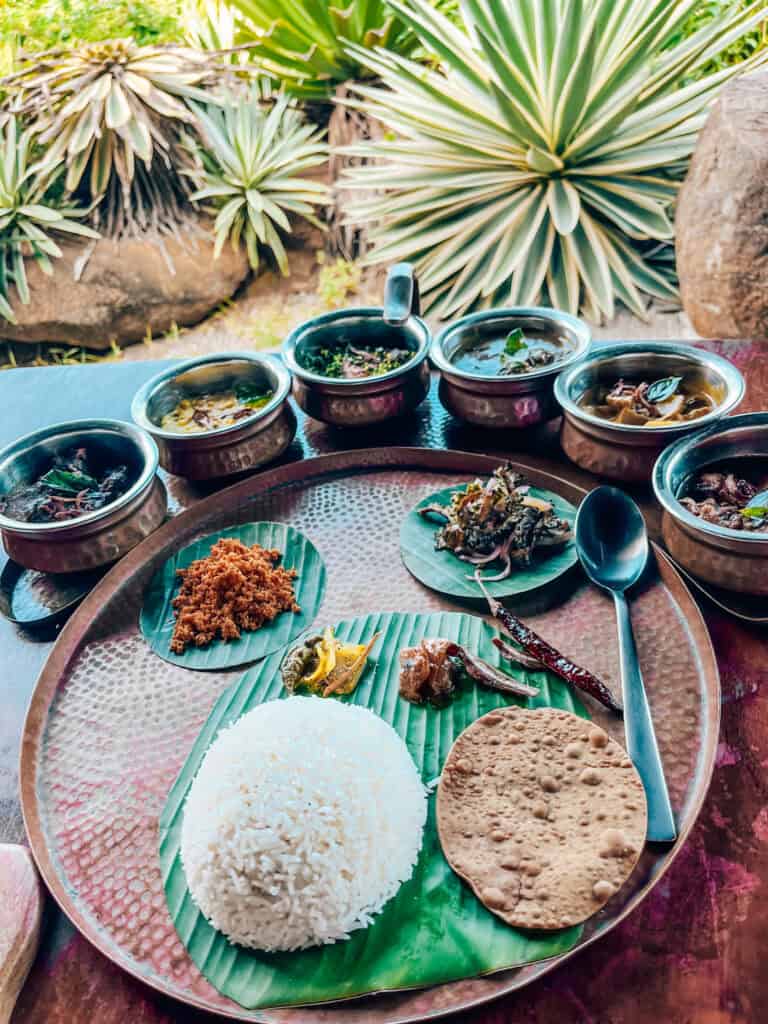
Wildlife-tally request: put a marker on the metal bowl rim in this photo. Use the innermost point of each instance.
(143, 441)
(674, 452)
(144, 395)
(579, 327)
(358, 384)
(734, 382)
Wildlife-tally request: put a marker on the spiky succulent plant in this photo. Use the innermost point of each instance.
(28, 220)
(254, 155)
(115, 114)
(303, 42)
(542, 160)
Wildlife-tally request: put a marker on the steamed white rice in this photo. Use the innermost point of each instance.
(305, 817)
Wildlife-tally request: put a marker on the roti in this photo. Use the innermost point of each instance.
(542, 813)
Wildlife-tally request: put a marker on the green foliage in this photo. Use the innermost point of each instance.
(28, 221)
(303, 42)
(43, 24)
(742, 49)
(337, 280)
(541, 160)
(115, 115)
(255, 153)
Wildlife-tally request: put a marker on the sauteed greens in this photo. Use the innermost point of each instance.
(349, 362)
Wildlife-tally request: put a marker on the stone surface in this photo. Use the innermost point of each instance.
(722, 217)
(126, 288)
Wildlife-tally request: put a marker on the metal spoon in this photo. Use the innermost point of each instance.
(612, 544)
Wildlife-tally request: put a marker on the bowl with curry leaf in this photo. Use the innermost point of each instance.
(498, 367)
(218, 415)
(713, 491)
(625, 403)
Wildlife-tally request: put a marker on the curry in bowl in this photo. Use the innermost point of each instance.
(646, 402)
(487, 351)
(731, 494)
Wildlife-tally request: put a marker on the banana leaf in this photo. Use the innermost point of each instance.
(157, 619)
(443, 571)
(434, 930)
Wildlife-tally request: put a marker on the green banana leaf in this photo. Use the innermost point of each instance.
(434, 930)
(157, 619)
(443, 571)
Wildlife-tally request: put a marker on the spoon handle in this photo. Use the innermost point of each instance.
(641, 738)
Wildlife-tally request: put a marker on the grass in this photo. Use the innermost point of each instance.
(17, 354)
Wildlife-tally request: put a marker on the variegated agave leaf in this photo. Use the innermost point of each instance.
(541, 161)
(255, 155)
(302, 43)
(116, 115)
(28, 221)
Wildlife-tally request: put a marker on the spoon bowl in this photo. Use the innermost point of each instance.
(611, 539)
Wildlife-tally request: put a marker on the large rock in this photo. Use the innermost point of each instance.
(722, 217)
(126, 288)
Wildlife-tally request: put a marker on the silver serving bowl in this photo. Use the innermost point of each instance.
(734, 559)
(517, 400)
(622, 451)
(250, 443)
(99, 537)
(366, 400)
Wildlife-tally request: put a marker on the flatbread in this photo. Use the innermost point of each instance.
(542, 814)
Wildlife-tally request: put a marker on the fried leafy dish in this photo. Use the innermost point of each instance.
(499, 519)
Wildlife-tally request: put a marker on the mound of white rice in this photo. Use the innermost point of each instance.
(305, 817)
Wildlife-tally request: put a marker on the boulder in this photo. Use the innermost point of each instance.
(127, 287)
(722, 217)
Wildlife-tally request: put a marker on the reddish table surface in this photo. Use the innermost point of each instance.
(693, 953)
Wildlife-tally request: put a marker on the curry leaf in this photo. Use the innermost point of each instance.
(71, 482)
(251, 394)
(758, 506)
(662, 389)
(515, 342)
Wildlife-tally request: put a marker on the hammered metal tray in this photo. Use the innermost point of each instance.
(110, 723)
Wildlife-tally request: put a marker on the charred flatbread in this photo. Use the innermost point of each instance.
(542, 814)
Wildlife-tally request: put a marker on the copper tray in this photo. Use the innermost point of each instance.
(110, 724)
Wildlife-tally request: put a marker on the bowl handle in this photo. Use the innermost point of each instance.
(401, 295)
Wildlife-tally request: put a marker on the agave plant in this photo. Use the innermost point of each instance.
(542, 160)
(27, 218)
(115, 114)
(303, 42)
(254, 156)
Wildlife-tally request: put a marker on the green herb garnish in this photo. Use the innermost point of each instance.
(69, 482)
(662, 389)
(250, 395)
(515, 342)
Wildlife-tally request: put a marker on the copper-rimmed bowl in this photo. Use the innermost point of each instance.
(250, 443)
(96, 538)
(621, 451)
(361, 401)
(734, 559)
(509, 401)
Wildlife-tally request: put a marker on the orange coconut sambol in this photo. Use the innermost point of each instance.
(234, 588)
